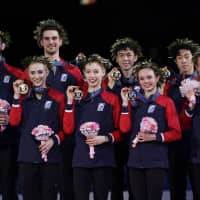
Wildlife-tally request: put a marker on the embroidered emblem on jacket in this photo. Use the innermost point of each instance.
(151, 108)
(6, 79)
(63, 77)
(47, 105)
(100, 106)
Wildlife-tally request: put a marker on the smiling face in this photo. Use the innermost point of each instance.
(126, 59)
(94, 74)
(148, 80)
(51, 42)
(38, 73)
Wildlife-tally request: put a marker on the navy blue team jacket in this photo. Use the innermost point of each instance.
(151, 154)
(172, 90)
(8, 74)
(103, 108)
(192, 120)
(32, 112)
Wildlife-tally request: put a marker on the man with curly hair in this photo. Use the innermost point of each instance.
(8, 135)
(51, 36)
(182, 52)
(125, 52)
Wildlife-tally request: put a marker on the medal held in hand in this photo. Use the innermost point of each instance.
(116, 75)
(78, 94)
(23, 88)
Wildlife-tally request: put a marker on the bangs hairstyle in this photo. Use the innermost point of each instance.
(123, 44)
(26, 62)
(96, 58)
(50, 24)
(148, 64)
(179, 44)
(5, 37)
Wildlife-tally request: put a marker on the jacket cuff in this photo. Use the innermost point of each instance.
(15, 102)
(124, 110)
(159, 137)
(56, 140)
(68, 107)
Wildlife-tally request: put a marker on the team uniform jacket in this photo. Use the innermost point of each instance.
(31, 112)
(8, 75)
(191, 119)
(104, 108)
(63, 75)
(172, 90)
(151, 154)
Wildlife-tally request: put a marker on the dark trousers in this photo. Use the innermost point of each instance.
(97, 179)
(66, 178)
(146, 184)
(178, 170)
(38, 181)
(194, 171)
(120, 173)
(8, 172)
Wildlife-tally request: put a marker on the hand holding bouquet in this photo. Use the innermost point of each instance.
(90, 129)
(188, 85)
(42, 133)
(147, 125)
(4, 109)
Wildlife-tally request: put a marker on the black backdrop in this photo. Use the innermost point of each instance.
(94, 28)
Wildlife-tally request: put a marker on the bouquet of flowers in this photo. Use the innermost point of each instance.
(147, 124)
(42, 134)
(4, 108)
(90, 129)
(188, 85)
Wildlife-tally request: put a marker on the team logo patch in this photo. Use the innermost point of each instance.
(100, 106)
(6, 79)
(63, 77)
(47, 105)
(151, 108)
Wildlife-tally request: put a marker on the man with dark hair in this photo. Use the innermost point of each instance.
(182, 52)
(125, 52)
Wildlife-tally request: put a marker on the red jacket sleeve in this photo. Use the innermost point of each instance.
(185, 119)
(174, 129)
(113, 99)
(69, 120)
(125, 119)
(15, 114)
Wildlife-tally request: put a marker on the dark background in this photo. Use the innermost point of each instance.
(94, 28)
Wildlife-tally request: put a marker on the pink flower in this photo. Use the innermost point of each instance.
(147, 124)
(4, 109)
(90, 129)
(187, 85)
(42, 133)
